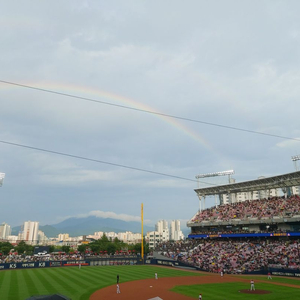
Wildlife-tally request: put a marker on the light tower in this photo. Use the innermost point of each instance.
(215, 174)
(2, 175)
(295, 159)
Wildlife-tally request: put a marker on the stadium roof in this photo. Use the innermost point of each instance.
(280, 181)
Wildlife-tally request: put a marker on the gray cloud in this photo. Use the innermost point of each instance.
(225, 62)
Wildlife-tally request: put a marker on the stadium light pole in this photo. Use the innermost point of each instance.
(295, 159)
(207, 175)
(2, 175)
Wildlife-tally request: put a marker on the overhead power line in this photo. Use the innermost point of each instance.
(150, 112)
(101, 161)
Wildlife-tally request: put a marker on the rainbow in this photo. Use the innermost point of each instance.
(92, 92)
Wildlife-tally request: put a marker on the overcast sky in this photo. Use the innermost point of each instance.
(232, 63)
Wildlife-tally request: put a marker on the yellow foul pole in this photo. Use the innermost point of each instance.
(142, 220)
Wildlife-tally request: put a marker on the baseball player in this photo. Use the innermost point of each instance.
(252, 287)
(155, 276)
(118, 289)
(200, 296)
(269, 276)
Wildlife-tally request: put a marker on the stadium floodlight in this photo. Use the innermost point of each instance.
(2, 175)
(296, 157)
(223, 173)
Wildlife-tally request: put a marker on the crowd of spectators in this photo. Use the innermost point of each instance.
(236, 231)
(234, 256)
(60, 256)
(16, 258)
(262, 208)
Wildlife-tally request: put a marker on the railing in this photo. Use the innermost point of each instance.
(263, 220)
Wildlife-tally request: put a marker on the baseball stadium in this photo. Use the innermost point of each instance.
(246, 246)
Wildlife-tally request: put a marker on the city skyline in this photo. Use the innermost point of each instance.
(31, 234)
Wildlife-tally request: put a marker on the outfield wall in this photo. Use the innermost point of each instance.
(132, 261)
(68, 263)
(285, 272)
(273, 271)
(43, 264)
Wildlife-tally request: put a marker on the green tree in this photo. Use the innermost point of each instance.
(111, 248)
(21, 248)
(65, 249)
(104, 239)
(95, 247)
(5, 247)
(82, 248)
(138, 247)
(119, 244)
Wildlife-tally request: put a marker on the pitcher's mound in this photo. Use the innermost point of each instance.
(260, 292)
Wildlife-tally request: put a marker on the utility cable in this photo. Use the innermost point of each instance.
(150, 112)
(102, 162)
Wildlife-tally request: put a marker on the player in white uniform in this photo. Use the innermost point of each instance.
(200, 296)
(252, 287)
(155, 275)
(118, 289)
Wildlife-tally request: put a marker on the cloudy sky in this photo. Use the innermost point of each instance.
(229, 63)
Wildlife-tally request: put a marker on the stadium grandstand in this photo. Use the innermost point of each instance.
(255, 228)
(261, 207)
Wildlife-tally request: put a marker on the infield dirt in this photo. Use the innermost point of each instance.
(151, 288)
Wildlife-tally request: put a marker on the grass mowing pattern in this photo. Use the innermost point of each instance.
(230, 291)
(77, 284)
(287, 280)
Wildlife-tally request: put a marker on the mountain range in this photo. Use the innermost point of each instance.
(89, 225)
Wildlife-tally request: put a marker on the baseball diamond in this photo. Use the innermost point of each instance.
(138, 282)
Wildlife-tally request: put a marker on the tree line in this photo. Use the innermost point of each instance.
(102, 246)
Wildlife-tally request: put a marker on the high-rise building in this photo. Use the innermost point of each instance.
(63, 237)
(162, 229)
(5, 231)
(161, 225)
(175, 232)
(153, 238)
(30, 232)
(42, 239)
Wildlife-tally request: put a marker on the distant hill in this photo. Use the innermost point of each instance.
(89, 225)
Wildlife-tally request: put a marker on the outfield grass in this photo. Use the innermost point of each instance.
(288, 280)
(78, 284)
(230, 291)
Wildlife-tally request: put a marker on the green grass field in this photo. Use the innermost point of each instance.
(72, 282)
(287, 280)
(230, 291)
(79, 284)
